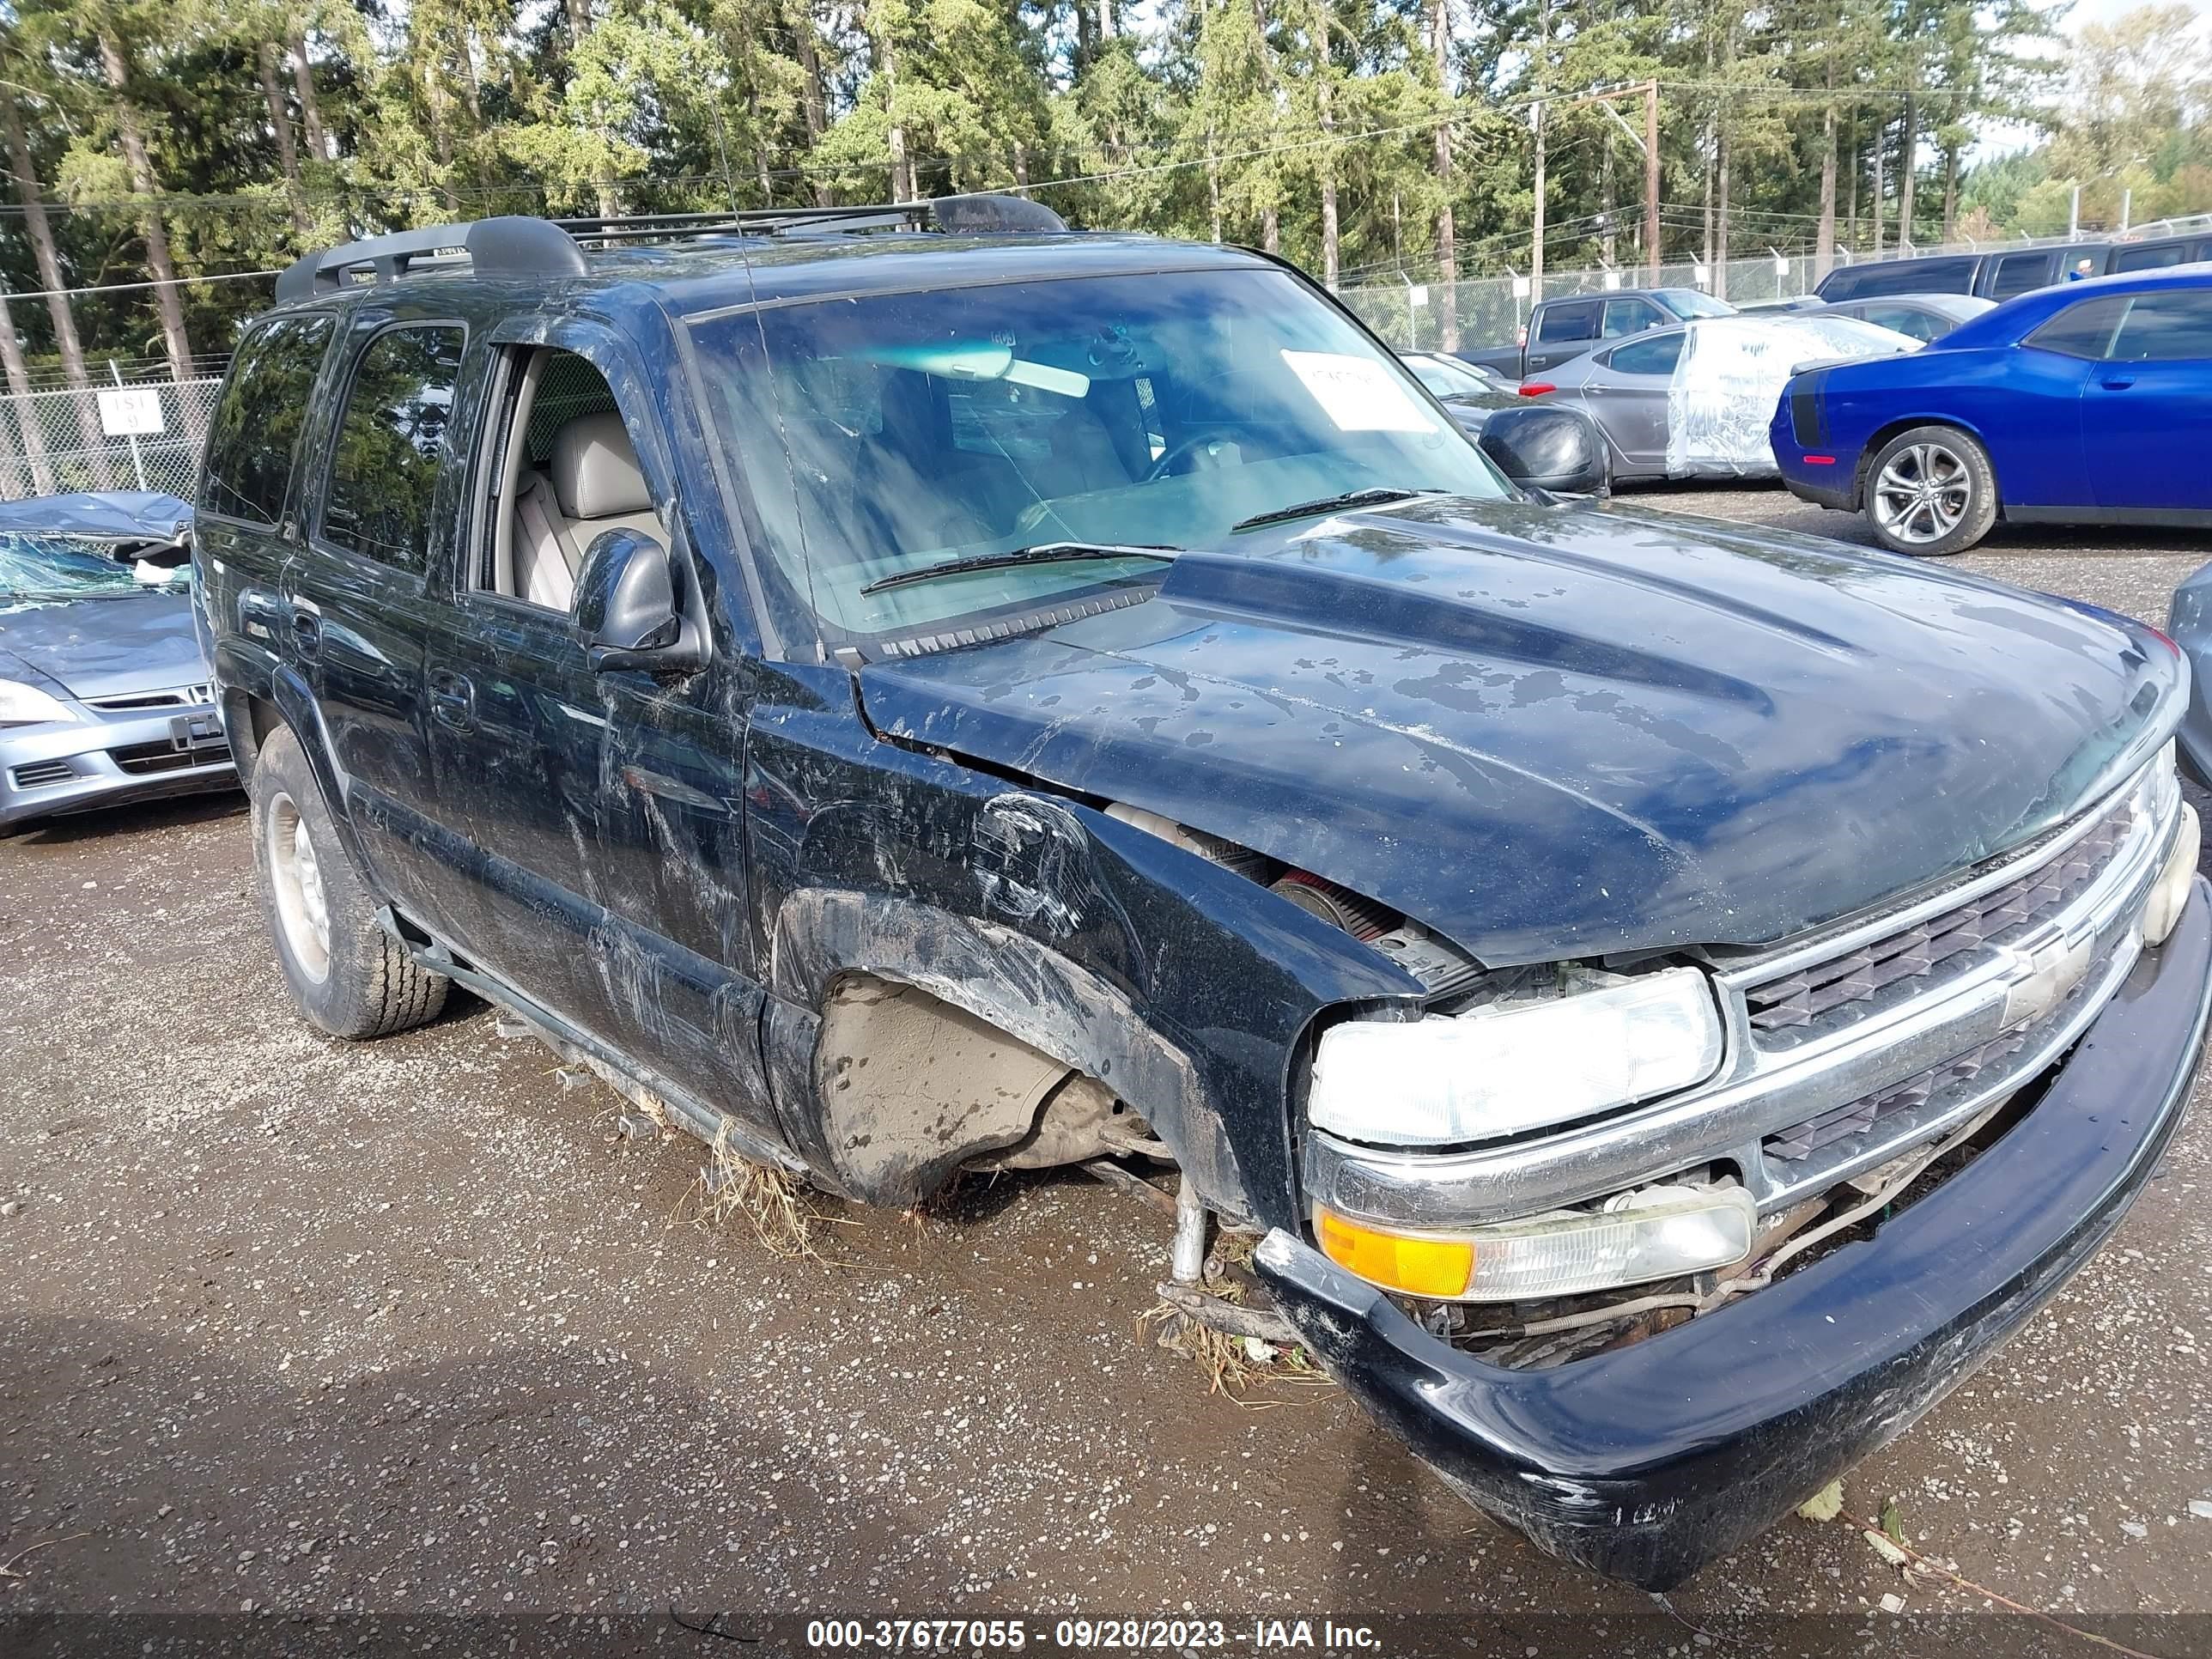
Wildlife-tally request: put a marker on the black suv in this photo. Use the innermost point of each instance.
(1673, 997)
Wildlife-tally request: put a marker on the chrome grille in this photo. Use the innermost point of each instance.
(141, 759)
(1827, 994)
(1988, 1059)
(36, 775)
(183, 696)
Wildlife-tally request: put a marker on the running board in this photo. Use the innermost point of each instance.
(579, 1047)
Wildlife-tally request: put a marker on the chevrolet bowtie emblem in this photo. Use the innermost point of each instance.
(2053, 970)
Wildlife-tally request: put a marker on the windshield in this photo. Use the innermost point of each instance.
(1448, 379)
(57, 567)
(1689, 302)
(880, 435)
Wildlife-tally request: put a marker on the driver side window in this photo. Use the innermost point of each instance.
(566, 473)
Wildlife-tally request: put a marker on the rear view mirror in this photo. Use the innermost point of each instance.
(1547, 446)
(630, 607)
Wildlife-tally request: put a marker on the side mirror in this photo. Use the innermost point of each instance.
(1549, 447)
(630, 607)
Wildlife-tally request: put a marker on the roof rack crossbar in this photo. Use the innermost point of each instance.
(515, 244)
(512, 245)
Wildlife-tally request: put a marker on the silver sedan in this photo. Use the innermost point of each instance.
(104, 692)
(1694, 399)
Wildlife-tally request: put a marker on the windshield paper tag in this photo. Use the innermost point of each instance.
(1358, 394)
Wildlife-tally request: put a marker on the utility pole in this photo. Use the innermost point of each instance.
(1649, 143)
(1536, 123)
(1536, 225)
(1651, 179)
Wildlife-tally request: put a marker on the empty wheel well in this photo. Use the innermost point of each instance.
(911, 1088)
(247, 721)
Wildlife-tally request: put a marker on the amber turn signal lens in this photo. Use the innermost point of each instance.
(1418, 1267)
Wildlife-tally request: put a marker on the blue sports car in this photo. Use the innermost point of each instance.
(2090, 403)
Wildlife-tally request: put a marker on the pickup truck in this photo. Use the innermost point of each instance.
(1670, 999)
(1567, 326)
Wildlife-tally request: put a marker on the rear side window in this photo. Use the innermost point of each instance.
(1917, 277)
(2175, 327)
(2081, 330)
(1629, 317)
(2154, 257)
(1906, 319)
(1900, 277)
(1568, 322)
(1654, 356)
(2019, 273)
(1687, 302)
(253, 436)
(385, 466)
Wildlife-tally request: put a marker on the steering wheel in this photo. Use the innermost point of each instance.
(1166, 463)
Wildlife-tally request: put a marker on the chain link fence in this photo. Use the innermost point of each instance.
(139, 431)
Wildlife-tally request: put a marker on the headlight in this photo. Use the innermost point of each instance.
(26, 705)
(1497, 1071)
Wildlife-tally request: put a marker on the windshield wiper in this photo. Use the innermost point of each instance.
(1042, 553)
(1377, 496)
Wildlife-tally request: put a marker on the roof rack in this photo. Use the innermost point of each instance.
(515, 246)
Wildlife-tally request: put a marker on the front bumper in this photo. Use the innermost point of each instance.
(109, 759)
(1646, 1462)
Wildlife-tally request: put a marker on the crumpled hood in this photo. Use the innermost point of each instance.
(106, 648)
(1551, 733)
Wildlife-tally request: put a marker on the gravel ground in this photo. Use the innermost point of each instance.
(407, 1329)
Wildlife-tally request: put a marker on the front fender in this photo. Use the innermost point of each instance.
(1184, 986)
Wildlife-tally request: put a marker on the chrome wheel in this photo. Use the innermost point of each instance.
(1923, 494)
(296, 875)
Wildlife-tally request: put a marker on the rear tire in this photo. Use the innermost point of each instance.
(1931, 492)
(349, 977)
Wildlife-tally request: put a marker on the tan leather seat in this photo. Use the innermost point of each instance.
(594, 486)
(597, 482)
(546, 560)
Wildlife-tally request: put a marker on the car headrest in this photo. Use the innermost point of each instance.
(595, 473)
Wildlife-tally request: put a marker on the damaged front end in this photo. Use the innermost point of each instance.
(1638, 1255)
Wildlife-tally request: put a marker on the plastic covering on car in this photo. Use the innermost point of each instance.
(1731, 374)
(113, 515)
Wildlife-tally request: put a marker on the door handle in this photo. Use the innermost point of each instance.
(2117, 382)
(452, 700)
(307, 628)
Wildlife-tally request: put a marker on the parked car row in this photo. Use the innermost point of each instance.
(2087, 402)
(2081, 402)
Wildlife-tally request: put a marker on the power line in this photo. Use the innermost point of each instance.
(11, 294)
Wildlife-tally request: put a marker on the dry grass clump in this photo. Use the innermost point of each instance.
(767, 1198)
(1225, 1362)
(1229, 1358)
